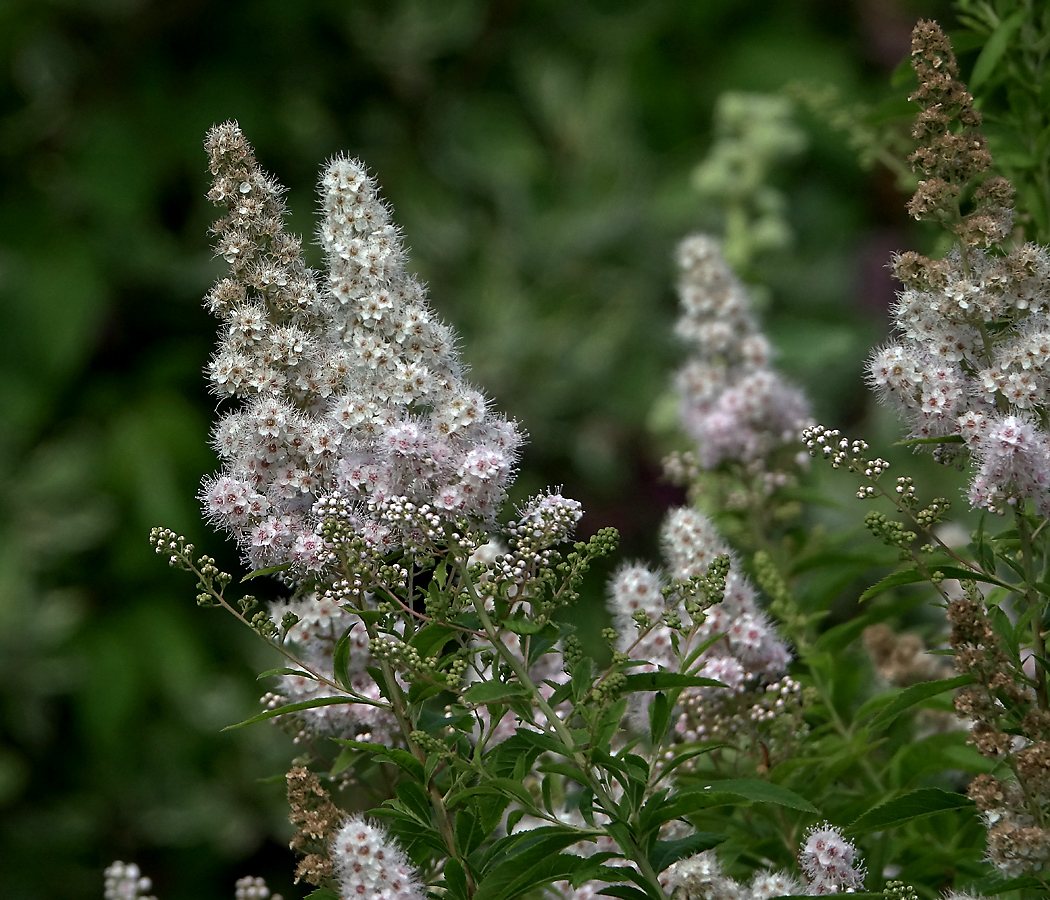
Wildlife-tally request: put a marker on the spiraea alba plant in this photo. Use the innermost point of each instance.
(721, 745)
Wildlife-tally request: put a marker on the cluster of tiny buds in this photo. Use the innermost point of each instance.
(249, 888)
(167, 543)
(346, 590)
(778, 699)
(830, 444)
(124, 881)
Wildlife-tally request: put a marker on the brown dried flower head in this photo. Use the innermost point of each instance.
(953, 152)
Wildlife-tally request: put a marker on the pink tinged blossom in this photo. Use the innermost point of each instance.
(369, 865)
(726, 669)
(635, 588)
(827, 859)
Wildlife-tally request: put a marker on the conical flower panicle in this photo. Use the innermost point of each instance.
(347, 387)
(733, 403)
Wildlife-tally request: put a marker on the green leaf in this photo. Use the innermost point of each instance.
(913, 805)
(495, 692)
(400, 758)
(658, 681)
(526, 860)
(523, 625)
(995, 47)
(269, 570)
(582, 675)
(664, 853)
(431, 638)
(503, 787)
(764, 792)
(896, 579)
(290, 708)
(415, 801)
(909, 696)
(341, 658)
(719, 793)
(659, 718)
(624, 892)
(566, 771)
(679, 758)
(455, 879)
(322, 894)
(962, 574)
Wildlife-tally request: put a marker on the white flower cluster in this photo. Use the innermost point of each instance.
(972, 359)
(733, 403)
(369, 865)
(827, 861)
(350, 385)
(749, 652)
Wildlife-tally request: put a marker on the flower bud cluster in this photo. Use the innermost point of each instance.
(346, 385)
(125, 881)
(749, 653)
(249, 888)
(733, 403)
(369, 865)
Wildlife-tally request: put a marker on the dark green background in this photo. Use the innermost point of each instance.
(537, 155)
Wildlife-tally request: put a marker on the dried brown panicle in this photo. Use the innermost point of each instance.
(316, 819)
(953, 152)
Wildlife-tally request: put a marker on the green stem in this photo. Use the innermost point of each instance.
(1032, 599)
(627, 842)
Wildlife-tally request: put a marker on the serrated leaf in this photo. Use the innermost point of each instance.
(322, 894)
(896, 579)
(290, 708)
(658, 681)
(917, 693)
(582, 675)
(914, 805)
(664, 853)
(995, 47)
(764, 792)
(269, 570)
(495, 692)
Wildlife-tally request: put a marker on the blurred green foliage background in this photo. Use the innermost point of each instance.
(538, 157)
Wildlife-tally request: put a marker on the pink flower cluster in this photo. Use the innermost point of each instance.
(732, 402)
(972, 359)
(348, 386)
